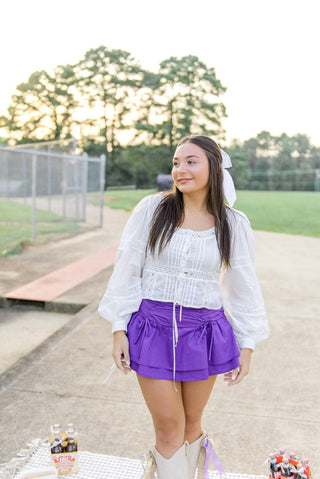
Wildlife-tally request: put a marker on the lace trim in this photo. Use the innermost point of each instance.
(177, 272)
(196, 234)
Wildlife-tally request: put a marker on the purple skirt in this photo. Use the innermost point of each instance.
(206, 344)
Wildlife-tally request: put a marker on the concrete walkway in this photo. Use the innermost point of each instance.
(63, 379)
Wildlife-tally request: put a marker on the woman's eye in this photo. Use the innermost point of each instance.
(191, 162)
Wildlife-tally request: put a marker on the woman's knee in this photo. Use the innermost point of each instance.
(192, 420)
(169, 428)
(192, 427)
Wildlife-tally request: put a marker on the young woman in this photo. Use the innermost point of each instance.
(185, 264)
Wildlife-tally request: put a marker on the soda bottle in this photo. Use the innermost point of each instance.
(56, 447)
(286, 471)
(293, 459)
(306, 465)
(275, 470)
(56, 428)
(71, 439)
(55, 442)
(300, 473)
(300, 470)
(280, 455)
(71, 446)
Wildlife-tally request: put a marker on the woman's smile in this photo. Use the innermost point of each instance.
(184, 180)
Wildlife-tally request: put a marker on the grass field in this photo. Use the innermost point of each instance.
(292, 212)
(296, 213)
(125, 199)
(16, 229)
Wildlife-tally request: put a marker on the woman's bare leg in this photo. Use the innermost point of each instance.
(167, 411)
(195, 395)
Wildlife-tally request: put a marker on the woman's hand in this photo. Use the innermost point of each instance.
(120, 351)
(235, 376)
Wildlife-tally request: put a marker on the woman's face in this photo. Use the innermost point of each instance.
(190, 171)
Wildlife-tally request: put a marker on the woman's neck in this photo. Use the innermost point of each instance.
(196, 215)
(195, 202)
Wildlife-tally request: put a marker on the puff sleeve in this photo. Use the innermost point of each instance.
(241, 294)
(123, 295)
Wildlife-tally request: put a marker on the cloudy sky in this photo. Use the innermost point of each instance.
(265, 52)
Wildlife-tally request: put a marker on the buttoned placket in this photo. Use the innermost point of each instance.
(178, 297)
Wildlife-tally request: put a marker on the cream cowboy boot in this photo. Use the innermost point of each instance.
(200, 453)
(176, 467)
(194, 456)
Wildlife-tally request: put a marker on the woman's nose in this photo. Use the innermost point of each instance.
(182, 167)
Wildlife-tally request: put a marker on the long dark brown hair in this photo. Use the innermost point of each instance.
(170, 212)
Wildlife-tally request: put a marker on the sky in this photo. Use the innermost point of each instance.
(266, 52)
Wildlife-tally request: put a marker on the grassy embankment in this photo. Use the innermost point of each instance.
(16, 227)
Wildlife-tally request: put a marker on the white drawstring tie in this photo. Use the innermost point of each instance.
(175, 337)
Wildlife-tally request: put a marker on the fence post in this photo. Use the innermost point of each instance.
(64, 186)
(34, 193)
(49, 180)
(84, 185)
(317, 180)
(6, 168)
(76, 185)
(102, 181)
(24, 169)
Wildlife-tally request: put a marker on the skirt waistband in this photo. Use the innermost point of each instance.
(189, 316)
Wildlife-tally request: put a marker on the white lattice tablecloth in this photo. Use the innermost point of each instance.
(99, 466)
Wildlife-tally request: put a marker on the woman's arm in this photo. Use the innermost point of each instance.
(241, 294)
(124, 293)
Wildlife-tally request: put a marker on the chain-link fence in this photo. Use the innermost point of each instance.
(286, 180)
(47, 192)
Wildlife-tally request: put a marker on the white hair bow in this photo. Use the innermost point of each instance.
(228, 185)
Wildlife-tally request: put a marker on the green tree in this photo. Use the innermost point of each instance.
(42, 107)
(303, 150)
(182, 100)
(107, 81)
(286, 147)
(315, 157)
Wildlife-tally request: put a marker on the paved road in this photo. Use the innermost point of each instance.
(63, 379)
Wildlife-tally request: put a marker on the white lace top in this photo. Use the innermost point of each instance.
(188, 273)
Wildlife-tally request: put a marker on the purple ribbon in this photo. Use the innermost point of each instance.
(210, 454)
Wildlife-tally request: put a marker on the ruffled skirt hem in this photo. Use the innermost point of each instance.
(202, 375)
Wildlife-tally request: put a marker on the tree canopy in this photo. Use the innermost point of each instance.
(113, 106)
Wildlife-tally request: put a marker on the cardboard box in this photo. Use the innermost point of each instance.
(65, 462)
